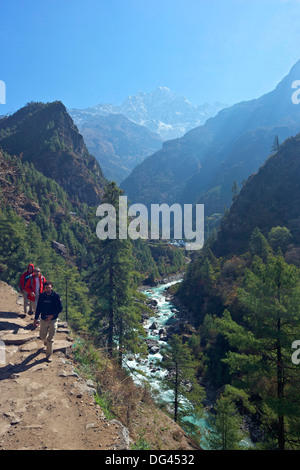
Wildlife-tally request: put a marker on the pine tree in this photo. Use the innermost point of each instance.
(13, 249)
(276, 144)
(226, 433)
(261, 346)
(181, 379)
(235, 190)
(258, 244)
(112, 281)
(74, 293)
(279, 237)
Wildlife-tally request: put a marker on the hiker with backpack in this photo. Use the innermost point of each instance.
(22, 282)
(34, 287)
(49, 307)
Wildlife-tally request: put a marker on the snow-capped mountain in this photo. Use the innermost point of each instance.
(202, 166)
(162, 111)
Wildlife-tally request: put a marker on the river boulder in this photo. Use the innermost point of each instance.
(153, 346)
(154, 332)
(154, 350)
(163, 337)
(154, 326)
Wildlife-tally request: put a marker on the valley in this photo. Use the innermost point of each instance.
(221, 341)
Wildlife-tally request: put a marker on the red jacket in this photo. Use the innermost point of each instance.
(25, 275)
(30, 286)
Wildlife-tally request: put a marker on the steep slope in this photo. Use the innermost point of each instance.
(162, 111)
(203, 164)
(51, 406)
(9, 195)
(270, 198)
(31, 203)
(42, 404)
(46, 136)
(118, 144)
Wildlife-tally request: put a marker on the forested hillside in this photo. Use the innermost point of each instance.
(45, 135)
(271, 197)
(243, 294)
(46, 223)
(41, 223)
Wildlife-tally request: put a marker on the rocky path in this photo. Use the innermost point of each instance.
(46, 405)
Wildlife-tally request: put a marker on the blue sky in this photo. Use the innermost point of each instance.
(92, 51)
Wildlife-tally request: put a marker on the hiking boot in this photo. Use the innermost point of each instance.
(49, 358)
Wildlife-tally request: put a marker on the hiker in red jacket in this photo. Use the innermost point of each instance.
(34, 287)
(22, 282)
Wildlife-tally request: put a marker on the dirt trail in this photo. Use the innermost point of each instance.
(46, 405)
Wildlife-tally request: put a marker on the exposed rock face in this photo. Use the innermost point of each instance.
(59, 248)
(20, 203)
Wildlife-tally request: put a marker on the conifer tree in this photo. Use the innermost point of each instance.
(13, 250)
(226, 432)
(181, 379)
(261, 346)
(258, 244)
(113, 284)
(276, 144)
(235, 190)
(279, 237)
(74, 293)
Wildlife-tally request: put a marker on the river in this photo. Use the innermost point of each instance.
(147, 369)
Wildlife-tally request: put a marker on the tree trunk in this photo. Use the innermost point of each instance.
(66, 299)
(280, 379)
(111, 312)
(280, 391)
(176, 395)
(120, 343)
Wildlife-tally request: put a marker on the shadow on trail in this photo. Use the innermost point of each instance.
(9, 370)
(7, 324)
(9, 314)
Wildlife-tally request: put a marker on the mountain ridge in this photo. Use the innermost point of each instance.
(202, 165)
(162, 111)
(46, 136)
